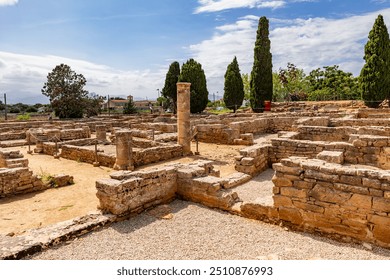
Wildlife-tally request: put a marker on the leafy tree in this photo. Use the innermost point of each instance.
(247, 86)
(234, 87)
(331, 83)
(65, 89)
(375, 74)
(261, 76)
(292, 83)
(169, 90)
(193, 73)
(93, 105)
(129, 107)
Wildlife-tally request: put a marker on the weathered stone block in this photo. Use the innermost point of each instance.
(293, 192)
(381, 204)
(281, 182)
(280, 200)
(332, 156)
(328, 195)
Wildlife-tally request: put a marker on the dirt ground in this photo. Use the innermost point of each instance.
(23, 212)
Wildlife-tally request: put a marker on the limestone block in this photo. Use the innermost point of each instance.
(293, 192)
(328, 195)
(290, 214)
(332, 156)
(281, 182)
(381, 204)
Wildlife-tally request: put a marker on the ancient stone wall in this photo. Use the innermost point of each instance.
(253, 160)
(156, 154)
(86, 155)
(217, 133)
(18, 180)
(133, 192)
(12, 159)
(335, 199)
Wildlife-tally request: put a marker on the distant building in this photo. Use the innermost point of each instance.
(116, 104)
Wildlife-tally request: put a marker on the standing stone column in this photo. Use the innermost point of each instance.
(183, 117)
(124, 159)
(101, 133)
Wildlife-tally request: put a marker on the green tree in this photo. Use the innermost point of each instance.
(129, 107)
(192, 72)
(234, 87)
(169, 90)
(261, 76)
(375, 74)
(332, 83)
(93, 105)
(247, 86)
(292, 83)
(65, 89)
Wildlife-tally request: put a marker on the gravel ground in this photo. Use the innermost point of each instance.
(258, 190)
(195, 232)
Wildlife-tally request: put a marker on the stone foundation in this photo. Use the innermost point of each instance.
(319, 196)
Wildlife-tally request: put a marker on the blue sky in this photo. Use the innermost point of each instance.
(126, 46)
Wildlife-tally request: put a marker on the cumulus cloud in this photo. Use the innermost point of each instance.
(8, 2)
(308, 43)
(22, 77)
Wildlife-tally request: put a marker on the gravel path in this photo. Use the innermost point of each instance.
(195, 232)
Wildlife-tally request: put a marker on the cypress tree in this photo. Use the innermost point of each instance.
(169, 90)
(234, 87)
(261, 76)
(375, 74)
(192, 72)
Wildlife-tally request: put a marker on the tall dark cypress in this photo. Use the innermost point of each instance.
(261, 76)
(192, 72)
(169, 90)
(234, 87)
(375, 74)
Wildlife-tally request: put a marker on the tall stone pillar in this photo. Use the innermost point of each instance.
(124, 159)
(183, 117)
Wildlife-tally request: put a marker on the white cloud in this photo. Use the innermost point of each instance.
(308, 43)
(210, 6)
(220, 5)
(8, 2)
(22, 77)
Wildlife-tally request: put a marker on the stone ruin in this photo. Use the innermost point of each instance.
(331, 165)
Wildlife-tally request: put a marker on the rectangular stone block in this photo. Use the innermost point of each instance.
(332, 156)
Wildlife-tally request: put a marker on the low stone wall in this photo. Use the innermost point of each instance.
(18, 180)
(217, 133)
(359, 122)
(129, 193)
(284, 148)
(251, 126)
(318, 196)
(156, 154)
(12, 136)
(12, 159)
(195, 184)
(86, 155)
(253, 160)
(362, 149)
(322, 133)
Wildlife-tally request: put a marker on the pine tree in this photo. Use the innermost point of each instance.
(129, 108)
(261, 76)
(375, 74)
(169, 91)
(234, 87)
(192, 72)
